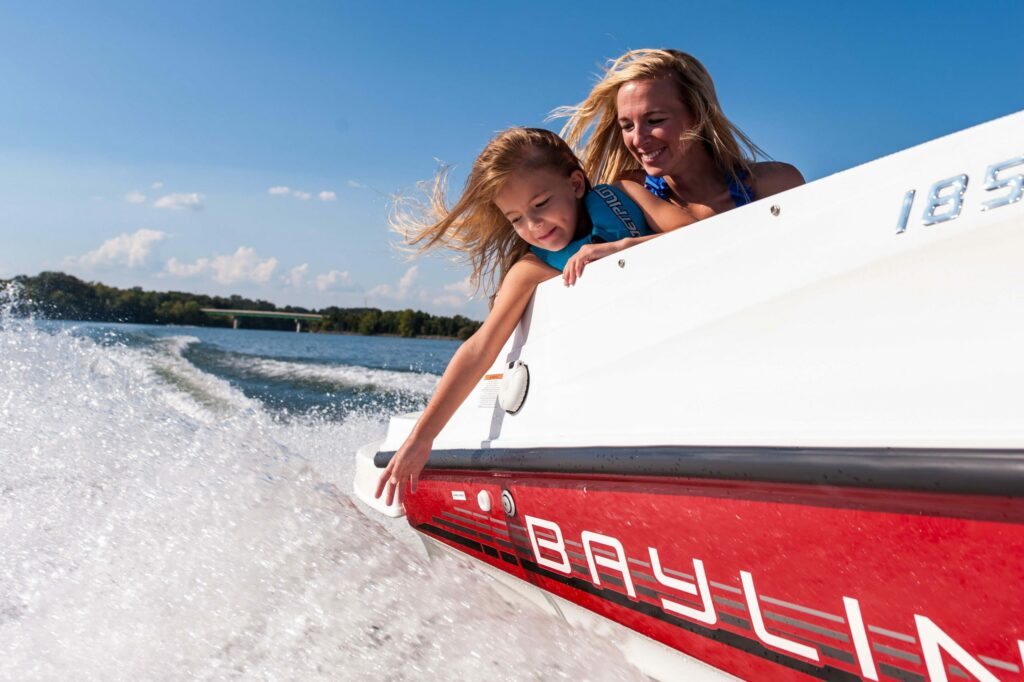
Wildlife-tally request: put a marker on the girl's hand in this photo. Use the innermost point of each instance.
(402, 473)
(587, 254)
(464, 371)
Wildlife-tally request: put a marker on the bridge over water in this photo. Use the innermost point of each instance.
(235, 315)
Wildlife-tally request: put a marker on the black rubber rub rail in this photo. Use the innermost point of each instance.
(974, 471)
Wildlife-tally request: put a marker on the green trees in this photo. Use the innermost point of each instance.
(408, 324)
(56, 295)
(369, 322)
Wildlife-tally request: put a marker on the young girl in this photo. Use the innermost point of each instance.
(527, 212)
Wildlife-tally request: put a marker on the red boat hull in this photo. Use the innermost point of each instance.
(761, 580)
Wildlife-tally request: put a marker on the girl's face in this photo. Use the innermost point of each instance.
(543, 206)
(654, 122)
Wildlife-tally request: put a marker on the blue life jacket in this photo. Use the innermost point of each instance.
(614, 216)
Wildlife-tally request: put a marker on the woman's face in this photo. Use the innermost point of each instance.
(543, 206)
(654, 121)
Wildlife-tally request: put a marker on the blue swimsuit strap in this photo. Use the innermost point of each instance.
(739, 189)
(657, 186)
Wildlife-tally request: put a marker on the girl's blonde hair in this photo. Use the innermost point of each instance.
(605, 157)
(474, 226)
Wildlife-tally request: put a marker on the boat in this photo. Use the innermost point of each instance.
(786, 442)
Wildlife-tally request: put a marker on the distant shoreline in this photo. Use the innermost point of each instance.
(59, 296)
(285, 331)
(395, 336)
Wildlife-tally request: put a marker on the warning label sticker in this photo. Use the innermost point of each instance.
(489, 390)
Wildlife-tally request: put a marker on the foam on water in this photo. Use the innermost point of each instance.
(349, 376)
(158, 524)
(201, 395)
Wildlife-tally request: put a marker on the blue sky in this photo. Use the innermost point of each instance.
(151, 144)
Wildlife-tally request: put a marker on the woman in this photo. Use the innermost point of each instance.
(654, 119)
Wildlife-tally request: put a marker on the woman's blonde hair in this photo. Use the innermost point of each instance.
(605, 157)
(474, 226)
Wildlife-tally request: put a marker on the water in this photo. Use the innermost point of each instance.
(175, 504)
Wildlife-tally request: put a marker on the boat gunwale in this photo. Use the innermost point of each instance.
(998, 472)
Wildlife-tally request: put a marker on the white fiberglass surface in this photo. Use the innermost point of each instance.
(818, 324)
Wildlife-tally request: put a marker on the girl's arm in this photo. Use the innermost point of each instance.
(661, 217)
(468, 364)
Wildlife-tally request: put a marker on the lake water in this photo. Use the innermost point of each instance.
(175, 504)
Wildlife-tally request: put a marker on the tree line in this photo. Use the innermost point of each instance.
(56, 295)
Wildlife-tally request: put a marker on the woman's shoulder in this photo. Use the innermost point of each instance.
(772, 177)
(631, 184)
(636, 176)
(617, 188)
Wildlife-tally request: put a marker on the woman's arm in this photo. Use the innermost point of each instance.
(469, 363)
(661, 217)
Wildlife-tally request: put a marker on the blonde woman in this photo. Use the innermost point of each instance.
(654, 119)
(527, 213)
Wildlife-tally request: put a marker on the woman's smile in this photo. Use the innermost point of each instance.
(650, 157)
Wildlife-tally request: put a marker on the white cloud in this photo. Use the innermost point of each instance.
(184, 270)
(449, 301)
(178, 202)
(241, 266)
(284, 190)
(335, 280)
(463, 286)
(135, 198)
(156, 185)
(401, 290)
(407, 280)
(357, 185)
(297, 276)
(124, 249)
(457, 294)
(244, 264)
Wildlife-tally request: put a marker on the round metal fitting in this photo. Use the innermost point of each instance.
(483, 500)
(508, 505)
(776, 210)
(622, 262)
